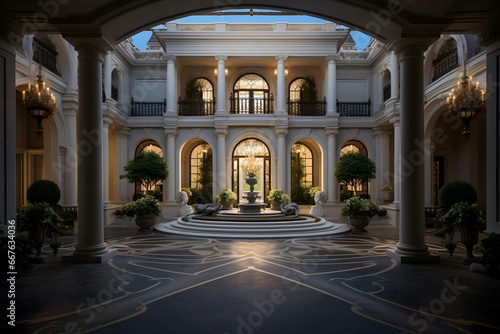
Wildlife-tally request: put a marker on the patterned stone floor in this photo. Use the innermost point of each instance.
(161, 283)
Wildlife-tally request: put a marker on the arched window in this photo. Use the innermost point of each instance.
(255, 148)
(294, 92)
(199, 98)
(347, 191)
(446, 59)
(200, 156)
(148, 145)
(251, 96)
(207, 89)
(114, 84)
(386, 84)
(301, 174)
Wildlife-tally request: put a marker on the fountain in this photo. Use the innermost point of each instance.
(251, 219)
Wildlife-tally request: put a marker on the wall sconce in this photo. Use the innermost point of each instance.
(276, 71)
(226, 72)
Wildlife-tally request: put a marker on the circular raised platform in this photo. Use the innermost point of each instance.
(269, 224)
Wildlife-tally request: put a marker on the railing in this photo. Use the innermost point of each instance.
(195, 108)
(307, 108)
(354, 109)
(251, 105)
(387, 92)
(147, 109)
(45, 52)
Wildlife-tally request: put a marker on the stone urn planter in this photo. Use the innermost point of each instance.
(228, 205)
(359, 222)
(470, 237)
(36, 234)
(145, 220)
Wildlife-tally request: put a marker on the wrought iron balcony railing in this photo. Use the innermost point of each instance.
(307, 108)
(147, 109)
(354, 109)
(263, 105)
(195, 108)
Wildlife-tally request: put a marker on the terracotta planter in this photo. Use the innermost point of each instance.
(470, 237)
(359, 222)
(275, 205)
(145, 220)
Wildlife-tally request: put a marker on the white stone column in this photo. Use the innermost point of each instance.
(120, 186)
(171, 86)
(382, 164)
(493, 140)
(220, 174)
(411, 246)
(282, 156)
(106, 122)
(280, 83)
(331, 82)
(221, 84)
(169, 185)
(397, 161)
(394, 76)
(107, 75)
(90, 246)
(70, 109)
(332, 186)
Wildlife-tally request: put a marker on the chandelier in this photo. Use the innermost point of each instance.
(466, 101)
(39, 102)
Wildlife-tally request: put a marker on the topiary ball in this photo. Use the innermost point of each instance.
(44, 191)
(455, 192)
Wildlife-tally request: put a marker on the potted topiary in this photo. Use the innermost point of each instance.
(359, 210)
(469, 219)
(277, 197)
(145, 210)
(455, 192)
(226, 197)
(44, 191)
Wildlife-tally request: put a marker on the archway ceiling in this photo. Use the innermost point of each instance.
(116, 20)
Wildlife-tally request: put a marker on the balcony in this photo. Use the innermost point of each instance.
(307, 108)
(195, 108)
(264, 105)
(147, 109)
(354, 109)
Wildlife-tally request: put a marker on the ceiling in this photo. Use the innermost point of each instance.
(386, 20)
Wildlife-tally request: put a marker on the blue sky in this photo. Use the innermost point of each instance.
(141, 39)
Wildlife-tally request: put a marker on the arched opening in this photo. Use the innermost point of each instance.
(148, 145)
(251, 155)
(346, 191)
(251, 96)
(201, 173)
(115, 84)
(386, 85)
(446, 59)
(302, 176)
(198, 98)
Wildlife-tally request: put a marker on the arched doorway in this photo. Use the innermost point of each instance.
(148, 145)
(250, 154)
(301, 173)
(346, 191)
(251, 95)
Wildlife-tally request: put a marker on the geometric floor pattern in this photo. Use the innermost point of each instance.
(161, 283)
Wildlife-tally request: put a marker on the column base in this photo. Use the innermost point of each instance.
(78, 257)
(412, 257)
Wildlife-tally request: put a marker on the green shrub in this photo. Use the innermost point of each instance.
(22, 250)
(489, 246)
(455, 192)
(44, 191)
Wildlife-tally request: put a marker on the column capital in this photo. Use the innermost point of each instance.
(331, 132)
(221, 57)
(87, 46)
(168, 57)
(380, 133)
(170, 133)
(394, 121)
(121, 132)
(107, 121)
(221, 131)
(332, 58)
(281, 132)
(412, 46)
(281, 57)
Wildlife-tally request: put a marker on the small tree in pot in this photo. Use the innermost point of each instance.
(148, 168)
(354, 169)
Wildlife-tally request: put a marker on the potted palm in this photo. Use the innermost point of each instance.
(145, 210)
(277, 197)
(226, 197)
(469, 219)
(359, 210)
